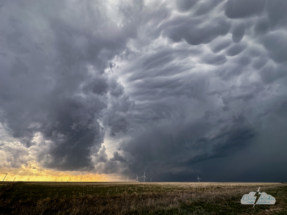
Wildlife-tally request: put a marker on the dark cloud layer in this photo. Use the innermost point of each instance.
(244, 8)
(182, 88)
(53, 81)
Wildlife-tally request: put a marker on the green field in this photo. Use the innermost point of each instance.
(136, 198)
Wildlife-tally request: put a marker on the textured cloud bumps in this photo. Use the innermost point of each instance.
(53, 81)
(175, 86)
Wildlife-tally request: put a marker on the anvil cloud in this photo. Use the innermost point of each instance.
(173, 88)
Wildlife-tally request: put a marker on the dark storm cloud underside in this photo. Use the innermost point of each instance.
(203, 99)
(170, 145)
(54, 91)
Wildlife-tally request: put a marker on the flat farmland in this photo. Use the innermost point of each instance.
(136, 198)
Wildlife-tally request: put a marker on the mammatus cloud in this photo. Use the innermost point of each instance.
(173, 85)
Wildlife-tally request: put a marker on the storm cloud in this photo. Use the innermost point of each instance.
(179, 88)
(52, 75)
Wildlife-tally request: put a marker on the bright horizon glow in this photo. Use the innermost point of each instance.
(31, 172)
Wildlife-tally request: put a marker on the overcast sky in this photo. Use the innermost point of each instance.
(173, 88)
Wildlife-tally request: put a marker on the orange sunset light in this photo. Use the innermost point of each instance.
(32, 172)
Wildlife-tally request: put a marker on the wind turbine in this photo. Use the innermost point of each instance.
(137, 178)
(5, 176)
(144, 176)
(4, 179)
(198, 179)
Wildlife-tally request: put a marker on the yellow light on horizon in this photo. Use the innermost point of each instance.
(32, 172)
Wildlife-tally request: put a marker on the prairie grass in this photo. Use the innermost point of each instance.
(136, 198)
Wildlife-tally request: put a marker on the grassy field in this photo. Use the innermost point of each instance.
(136, 198)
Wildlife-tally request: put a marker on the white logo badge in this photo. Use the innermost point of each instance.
(257, 198)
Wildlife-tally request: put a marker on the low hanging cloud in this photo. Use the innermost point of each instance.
(174, 84)
(52, 75)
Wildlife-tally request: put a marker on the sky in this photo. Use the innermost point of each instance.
(107, 90)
